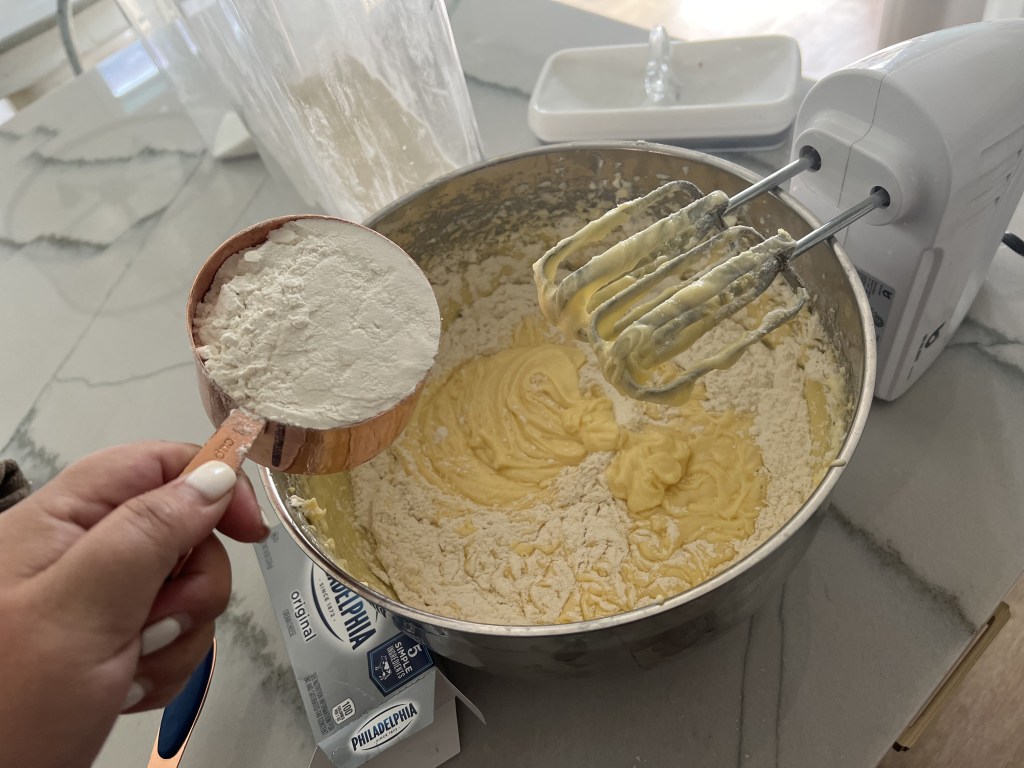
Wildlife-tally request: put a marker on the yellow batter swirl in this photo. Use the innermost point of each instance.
(500, 428)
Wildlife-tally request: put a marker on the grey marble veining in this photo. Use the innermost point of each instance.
(110, 204)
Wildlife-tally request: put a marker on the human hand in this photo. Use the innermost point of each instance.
(90, 623)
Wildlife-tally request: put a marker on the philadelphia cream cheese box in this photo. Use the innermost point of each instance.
(370, 691)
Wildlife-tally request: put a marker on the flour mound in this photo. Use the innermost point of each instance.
(324, 325)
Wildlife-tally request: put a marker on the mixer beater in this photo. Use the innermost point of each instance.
(948, 172)
(651, 296)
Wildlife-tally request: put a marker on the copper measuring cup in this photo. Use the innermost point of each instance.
(274, 444)
(289, 448)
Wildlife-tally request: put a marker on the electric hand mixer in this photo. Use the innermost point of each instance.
(920, 144)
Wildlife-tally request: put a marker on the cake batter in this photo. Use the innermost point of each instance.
(527, 490)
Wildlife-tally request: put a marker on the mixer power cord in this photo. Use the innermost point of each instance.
(1014, 243)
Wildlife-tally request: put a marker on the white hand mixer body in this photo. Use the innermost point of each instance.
(938, 122)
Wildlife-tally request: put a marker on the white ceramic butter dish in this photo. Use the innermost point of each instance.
(731, 91)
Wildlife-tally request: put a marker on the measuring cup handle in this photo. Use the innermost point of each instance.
(230, 444)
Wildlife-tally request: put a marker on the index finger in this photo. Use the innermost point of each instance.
(89, 489)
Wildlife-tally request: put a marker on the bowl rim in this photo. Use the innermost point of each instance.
(817, 498)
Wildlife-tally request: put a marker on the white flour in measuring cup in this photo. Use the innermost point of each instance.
(326, 324)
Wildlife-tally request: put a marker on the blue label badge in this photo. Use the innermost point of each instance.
(396, 662)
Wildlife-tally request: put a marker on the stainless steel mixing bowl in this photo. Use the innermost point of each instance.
(486, 205)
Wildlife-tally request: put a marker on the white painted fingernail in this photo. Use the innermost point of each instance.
(212, 479)
(135, 694)
(161, 633)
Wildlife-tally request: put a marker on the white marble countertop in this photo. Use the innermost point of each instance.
(109, 204)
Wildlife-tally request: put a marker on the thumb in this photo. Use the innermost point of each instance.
(112, 574)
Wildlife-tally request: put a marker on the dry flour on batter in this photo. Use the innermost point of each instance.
(575, 552)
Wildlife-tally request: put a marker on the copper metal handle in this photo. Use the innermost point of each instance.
(230, 444)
